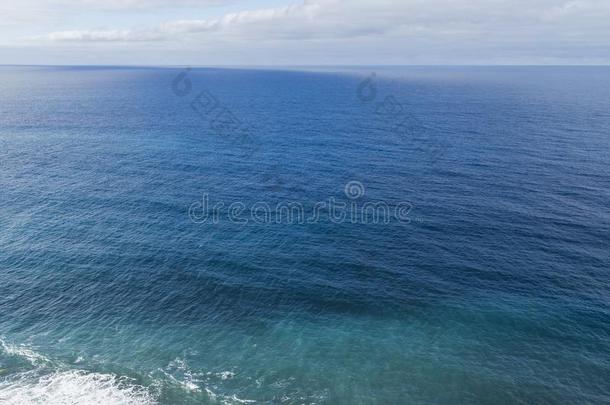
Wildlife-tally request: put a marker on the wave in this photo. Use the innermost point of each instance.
(41, 380)
(73, 387)
(23, 352)
(46, 383)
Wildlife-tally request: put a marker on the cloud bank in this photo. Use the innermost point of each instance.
(382, 31)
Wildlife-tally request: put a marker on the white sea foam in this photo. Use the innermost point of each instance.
(42, 385)
(55, 383)
(72, 387)
(234, 399)
(22, 351)
(225, 375)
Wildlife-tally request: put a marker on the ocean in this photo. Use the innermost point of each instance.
(332, 235)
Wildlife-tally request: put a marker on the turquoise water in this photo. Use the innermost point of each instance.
(486, 281)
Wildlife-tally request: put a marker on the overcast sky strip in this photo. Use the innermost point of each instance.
(217, 32)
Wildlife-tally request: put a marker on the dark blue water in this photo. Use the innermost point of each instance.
(475, 269)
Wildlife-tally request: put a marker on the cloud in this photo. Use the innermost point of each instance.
(312, 19)
(39, 11)
(581, 9)
(126, 4)
(240, 22)
(383, 30)
(117, 4)
(102, 36)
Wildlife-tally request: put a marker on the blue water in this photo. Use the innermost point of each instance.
(494, 287)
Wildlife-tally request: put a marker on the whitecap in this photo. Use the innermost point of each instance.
(73, 387)
(54, 384)
(21, 351)
(225, 375)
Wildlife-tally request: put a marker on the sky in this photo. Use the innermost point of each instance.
(304, 32)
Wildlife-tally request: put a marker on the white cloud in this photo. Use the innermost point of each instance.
(380, 30)
(49, 5)
(282, 18)
(103, 36)
(581, 9)
(342, 18)
(40, 11)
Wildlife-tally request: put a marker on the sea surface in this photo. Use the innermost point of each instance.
(456, 248)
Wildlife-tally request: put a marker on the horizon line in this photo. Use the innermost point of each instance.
(302, 66)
